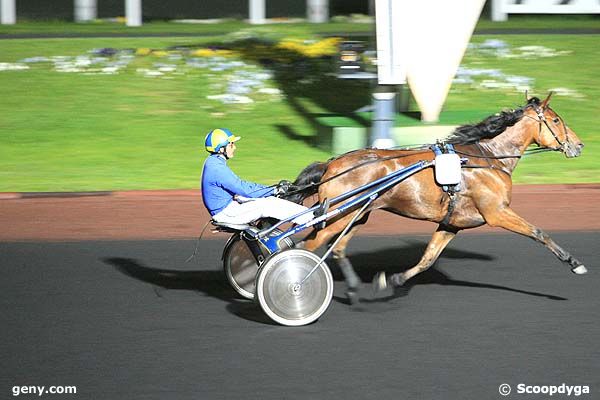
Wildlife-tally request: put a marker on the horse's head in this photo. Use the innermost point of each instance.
(553, 133)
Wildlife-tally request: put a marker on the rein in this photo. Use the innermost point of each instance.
(528, 152)
(313, 184)
(486, 157)
(301, 189)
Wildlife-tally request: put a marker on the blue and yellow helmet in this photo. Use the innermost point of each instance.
(218, 138)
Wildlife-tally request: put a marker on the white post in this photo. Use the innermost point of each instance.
(498, 13)
(8, 12)
(85, 10)
(133, 12)
(317, 11)
(257, 11)
(392, 31)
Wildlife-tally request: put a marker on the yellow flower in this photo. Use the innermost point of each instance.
(212, 53)
(203, 53)
(320, 48)
(143, 51)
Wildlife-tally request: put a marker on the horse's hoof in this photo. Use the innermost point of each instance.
(397, 280)
(379, 282)
(352, 296)
(579, 270)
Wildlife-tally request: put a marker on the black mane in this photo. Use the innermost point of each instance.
(490, 127)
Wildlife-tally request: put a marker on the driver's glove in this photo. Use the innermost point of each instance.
(282, 188)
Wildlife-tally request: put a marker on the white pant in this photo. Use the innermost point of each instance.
(263, 207)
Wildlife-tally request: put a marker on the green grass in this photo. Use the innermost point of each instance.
(225, 27)
(578, 71)
(517, 21)
(292, 29)
(63, 131)
(72, 132)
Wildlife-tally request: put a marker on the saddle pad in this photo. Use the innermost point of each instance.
(447, 169)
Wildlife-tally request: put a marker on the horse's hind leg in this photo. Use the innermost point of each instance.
(506, 218)
(440, 239)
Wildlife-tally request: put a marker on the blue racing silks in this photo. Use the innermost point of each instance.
(220, 184)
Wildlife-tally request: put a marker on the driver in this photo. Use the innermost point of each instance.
(232, 200)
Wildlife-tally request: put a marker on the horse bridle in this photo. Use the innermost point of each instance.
(542, 120)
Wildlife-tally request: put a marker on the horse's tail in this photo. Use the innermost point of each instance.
(307, 182)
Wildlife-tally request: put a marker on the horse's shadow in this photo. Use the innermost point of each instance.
(369, 263)
(214, 284)
(210, 283)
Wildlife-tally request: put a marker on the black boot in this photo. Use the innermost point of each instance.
(320, 211)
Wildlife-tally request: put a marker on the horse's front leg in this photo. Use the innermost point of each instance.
(440, 239)
(506, 218)
(350, 276)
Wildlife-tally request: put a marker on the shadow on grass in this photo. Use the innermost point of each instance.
(309, 83)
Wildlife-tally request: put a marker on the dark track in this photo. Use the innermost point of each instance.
(132, 320)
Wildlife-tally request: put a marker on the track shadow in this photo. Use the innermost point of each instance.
(436, 277)
(402, 258)
(398, 259)
(211, 283)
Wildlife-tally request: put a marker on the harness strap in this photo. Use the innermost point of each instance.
(451, 206)
(439, 149)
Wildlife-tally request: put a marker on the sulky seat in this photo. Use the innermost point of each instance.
(227, 227)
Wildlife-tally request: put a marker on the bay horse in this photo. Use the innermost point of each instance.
(492, 147)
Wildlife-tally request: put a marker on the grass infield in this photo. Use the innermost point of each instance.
(82, 131)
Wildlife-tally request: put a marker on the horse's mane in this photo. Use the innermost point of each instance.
(490, 127)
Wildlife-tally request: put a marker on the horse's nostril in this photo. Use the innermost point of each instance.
(580, 145)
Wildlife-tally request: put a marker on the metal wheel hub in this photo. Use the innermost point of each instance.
(295, 289)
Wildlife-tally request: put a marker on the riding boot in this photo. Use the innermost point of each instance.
(322, 210)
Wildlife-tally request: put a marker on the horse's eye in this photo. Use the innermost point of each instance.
(555, 120)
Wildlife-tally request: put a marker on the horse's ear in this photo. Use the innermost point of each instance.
(546, 101)
(526, 96)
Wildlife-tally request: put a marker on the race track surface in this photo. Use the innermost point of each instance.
(132, 320)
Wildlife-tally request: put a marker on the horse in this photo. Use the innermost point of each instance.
(492, 148)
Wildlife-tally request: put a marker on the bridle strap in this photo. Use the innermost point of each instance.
(542, 120)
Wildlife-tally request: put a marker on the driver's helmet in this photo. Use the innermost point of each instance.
(218, 138)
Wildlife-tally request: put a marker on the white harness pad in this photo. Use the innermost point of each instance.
(447, 169)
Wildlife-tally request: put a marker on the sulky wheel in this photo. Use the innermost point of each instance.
(282, 294)
(241, 267)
